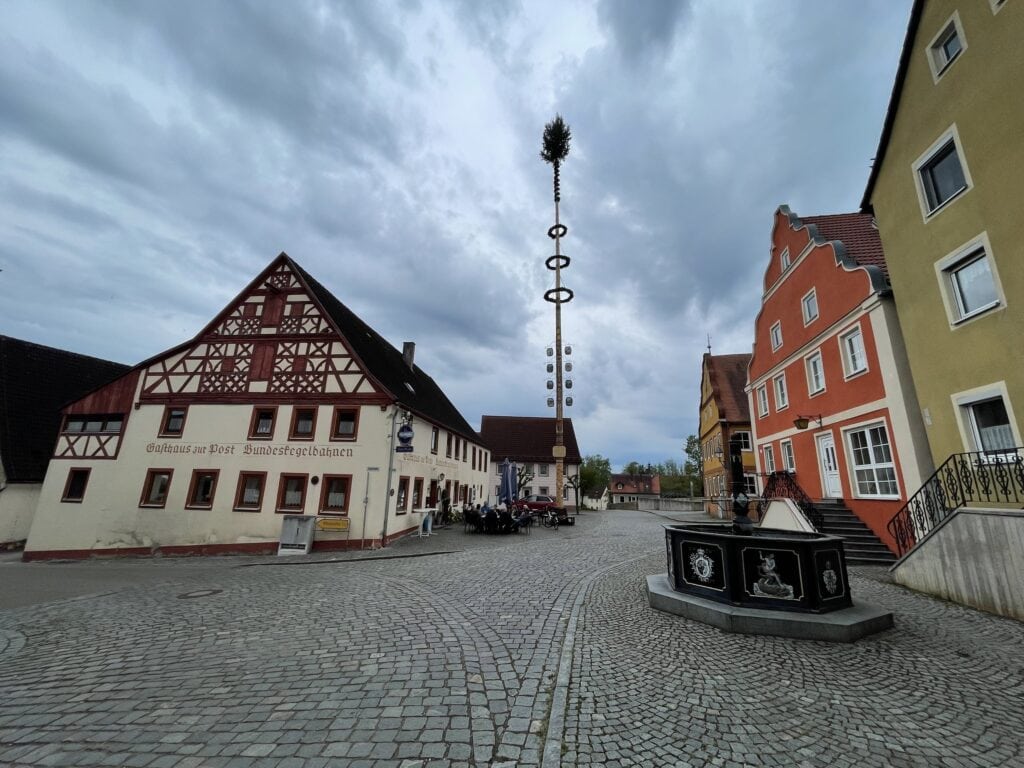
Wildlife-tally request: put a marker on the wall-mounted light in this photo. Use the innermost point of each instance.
(802, 422)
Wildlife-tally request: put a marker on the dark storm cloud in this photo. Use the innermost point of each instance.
(643, 30)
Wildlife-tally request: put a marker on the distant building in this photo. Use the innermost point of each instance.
(285, 403)
(625, 488)
(35, 383)
(830, 395)
(724, 416)
(528, 441)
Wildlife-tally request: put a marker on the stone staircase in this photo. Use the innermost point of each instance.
(862, 546)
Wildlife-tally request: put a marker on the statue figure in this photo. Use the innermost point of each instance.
(770, 585)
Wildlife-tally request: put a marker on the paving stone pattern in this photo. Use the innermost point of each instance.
(452, 659)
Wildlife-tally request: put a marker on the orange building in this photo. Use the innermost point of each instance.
(830, 395)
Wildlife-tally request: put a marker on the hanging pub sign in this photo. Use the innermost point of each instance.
(405, 435)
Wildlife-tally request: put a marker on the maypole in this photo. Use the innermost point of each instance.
(555, 150)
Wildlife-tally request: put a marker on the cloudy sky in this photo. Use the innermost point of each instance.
(157, 155)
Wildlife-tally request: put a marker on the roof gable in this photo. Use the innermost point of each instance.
(35, 384)
(635, 483)
(728, 377)
(527, 438)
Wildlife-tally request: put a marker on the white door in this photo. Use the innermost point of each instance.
(829, 467)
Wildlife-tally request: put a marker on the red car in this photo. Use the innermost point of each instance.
(538, 503)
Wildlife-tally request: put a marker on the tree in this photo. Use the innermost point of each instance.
(573, 481)
(634, 468)
(594, 474)
(523, 477)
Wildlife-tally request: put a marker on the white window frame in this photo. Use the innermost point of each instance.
(769, 459)
(808, 368)
(853, 466)
(997, 5)
(808, 317)
(938, 61)
(788, 456)
(946, 269)
(848, 371)
(950, 135)
(784, 260)
(746, 440)
(781, 393)
(962, 402)
(762, 400)
(776, 331)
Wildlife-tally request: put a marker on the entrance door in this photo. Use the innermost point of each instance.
(433, 499)
(831, 486)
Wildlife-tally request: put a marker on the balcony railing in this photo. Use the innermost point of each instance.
(964, 478)
(783, 485)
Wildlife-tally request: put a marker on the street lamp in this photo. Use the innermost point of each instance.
(802, 422)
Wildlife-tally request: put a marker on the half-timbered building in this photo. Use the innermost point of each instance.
(286, 403)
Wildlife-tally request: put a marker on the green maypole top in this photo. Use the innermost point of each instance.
(556, 147)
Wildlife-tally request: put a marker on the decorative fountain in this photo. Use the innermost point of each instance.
(754, 580)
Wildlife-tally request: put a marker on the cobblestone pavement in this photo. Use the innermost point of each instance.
(486, 651)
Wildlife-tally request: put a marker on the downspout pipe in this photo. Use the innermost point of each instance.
(396, 408)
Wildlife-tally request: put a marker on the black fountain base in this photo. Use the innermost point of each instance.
(773, 582)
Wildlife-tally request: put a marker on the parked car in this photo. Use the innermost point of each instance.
(539, 503)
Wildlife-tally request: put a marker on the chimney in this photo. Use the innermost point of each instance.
(408, 352)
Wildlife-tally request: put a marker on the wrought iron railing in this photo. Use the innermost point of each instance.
(964, 478)
(782, 485)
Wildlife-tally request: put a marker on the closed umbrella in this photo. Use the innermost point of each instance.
(509, 480)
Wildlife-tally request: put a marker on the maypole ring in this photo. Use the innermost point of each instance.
(558, 261)
(558, 295)
(556, 231)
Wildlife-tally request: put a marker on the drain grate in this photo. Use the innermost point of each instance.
(199, 593)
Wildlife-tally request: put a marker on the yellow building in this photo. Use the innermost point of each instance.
(724, 415)
(946, 193)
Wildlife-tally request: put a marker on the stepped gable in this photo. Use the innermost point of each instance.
(527, 438)
(386, 364)
(36, 382)
(728, 380)
(857, 232)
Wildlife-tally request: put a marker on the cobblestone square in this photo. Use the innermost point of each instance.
(468, 650)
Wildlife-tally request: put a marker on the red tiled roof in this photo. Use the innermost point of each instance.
(635, 484)
(728, 375)
(526, 438)
(858, 233)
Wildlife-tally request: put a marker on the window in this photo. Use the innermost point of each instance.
(473, 462)
(972, 285)
(874, 473)
(291, 493)
(465, 445)
(303, 424)
(750, 484)
(201, 489)
(527, 491)
(103, 423)
(249, 496)
(769, 459)
(941, 173)
(417, 493)
(74, 488)
(173, 423)
(854, 359)
(744, 439)
(946, 46)
(262, 426)
(154, 490)
(788, 458)
(784, 260)
(346, 424)
(543, 490)
(762, 400)
(433, 440)
(402, 503)
(497, 469)
(990, 425)
(334, 500)
(815, 374)
(781, 395)
(809, 306)
(776, 332)
(543, 470)
(448, 446)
